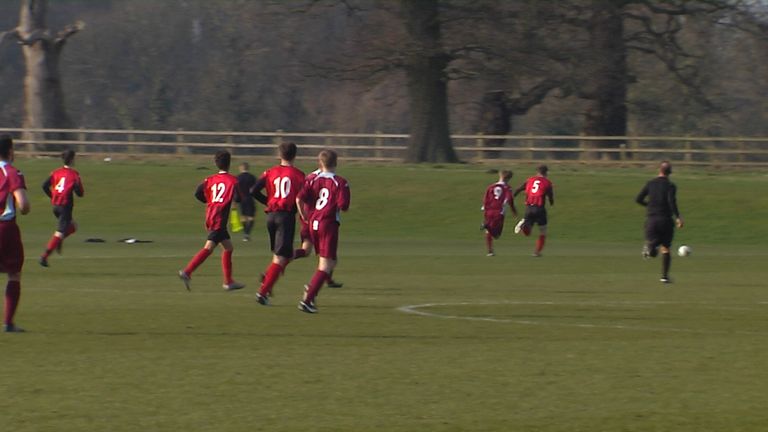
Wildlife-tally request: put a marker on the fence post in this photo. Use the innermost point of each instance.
(378, 143)
(688, 155)
(742, 150)
(479, 143)
(82, 136)
(529, 142)
(279, 137)
(623, 152)
(130, 138)
(230, 140)
(180, 149)
(328, 140)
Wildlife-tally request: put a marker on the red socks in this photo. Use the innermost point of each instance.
(540, 243)
(70, 230)
(12, 296)
(270, 278)
(315, 284)
(198, 259)
(52, 243)
(226, 266)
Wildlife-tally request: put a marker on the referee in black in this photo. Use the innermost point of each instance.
(245, 182)
(659, 196)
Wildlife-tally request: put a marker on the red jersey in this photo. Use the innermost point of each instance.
(283, 184)
(328, 195)
(11, 180)
(217, 191)
(536, 189)
(62, 184)
(497, 197)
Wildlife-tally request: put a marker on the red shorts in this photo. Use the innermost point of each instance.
(494, 223)
(325, 237)
(11, 249)
(304, 231)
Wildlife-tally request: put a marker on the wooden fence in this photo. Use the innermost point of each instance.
(689, 150)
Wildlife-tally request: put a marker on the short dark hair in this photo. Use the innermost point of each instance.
(6, 144)
(244, 166)
(505, 175)
(542, 169)
(665, 168)
(223, 159)
(68, 156)
(328, 158)
(287, 151)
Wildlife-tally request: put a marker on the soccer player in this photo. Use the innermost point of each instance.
(217, 192)
(61, 187)
(328, 195)
(659, 196)
(537, 189)
(247, 206)
(306, 239)
(13, 198)
(497, 197)
(282, 183)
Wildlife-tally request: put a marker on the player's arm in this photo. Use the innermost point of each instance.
(344, 197)
(47, 186)
(640, 199)
(79, 190)
(22, 202)
(511, 202)
(200, 193)
(672, 197)
(519, 189)
(551, 195)
(256, 191)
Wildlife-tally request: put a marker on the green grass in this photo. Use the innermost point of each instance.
(427, 334)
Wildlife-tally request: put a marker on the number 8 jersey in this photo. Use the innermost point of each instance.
(328, 195)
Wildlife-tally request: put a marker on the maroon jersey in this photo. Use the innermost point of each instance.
(217, 192)
(497, 197)
(62, 184)
(328, 194)
(11, 180)
(308, 208)
(536, 189)
(282, 184)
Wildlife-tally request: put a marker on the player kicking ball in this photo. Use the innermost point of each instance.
(327, 195)
(61, 186)
(497, 197)
(217, 192)
(537, 189)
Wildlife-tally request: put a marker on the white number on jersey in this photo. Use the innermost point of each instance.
(282, 187)
(322, 199)
(217, 192)
(60, 185)
(535, 186)
(497, 192)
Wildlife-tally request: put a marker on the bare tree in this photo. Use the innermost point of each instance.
(43, 95)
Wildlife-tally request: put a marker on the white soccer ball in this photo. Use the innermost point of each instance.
(684, 251)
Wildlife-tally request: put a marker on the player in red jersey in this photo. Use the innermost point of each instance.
(217, 192)
(13, 199)
(537, 189)
(304, 235)
(61, 186)
(497, 197)
(282, 184)
(328, 195)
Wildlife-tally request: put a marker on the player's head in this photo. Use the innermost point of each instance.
(223, 159)
(244, 167)
(6, 147)
(542, 169)
(505, 175)
(665, 168)
(287, 151)
(68, 156)
(328, 159)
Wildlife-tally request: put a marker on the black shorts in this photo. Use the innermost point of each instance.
(218, 236)
(535, 215)
(281, 227)
(248, 207)
(64, 215)
(659, 231)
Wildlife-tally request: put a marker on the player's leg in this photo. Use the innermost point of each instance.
(12, 298)
(282, 246)
(64, 219)
(247, 227)
(327, 245)
(541, 240)
(526, 223)
(665, 249)
(186, 274)
(11, 261)
(306, 242)
(489, 224)
(226, 266)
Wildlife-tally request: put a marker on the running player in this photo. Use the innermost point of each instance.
(246, 205)
(282, 183)
(536, 188)
(13, 199)
(217, 192)
(328, 195)
(497, 197)
(659, 196)
(61, 186)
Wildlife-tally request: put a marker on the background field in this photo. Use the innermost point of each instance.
(427, 333)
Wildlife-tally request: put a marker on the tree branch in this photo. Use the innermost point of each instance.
(67, 32)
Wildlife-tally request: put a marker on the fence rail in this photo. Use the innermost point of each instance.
(713, 151)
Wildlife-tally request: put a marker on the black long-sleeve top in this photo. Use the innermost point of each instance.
(660, 197)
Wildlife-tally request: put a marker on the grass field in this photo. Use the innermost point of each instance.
(428, 334)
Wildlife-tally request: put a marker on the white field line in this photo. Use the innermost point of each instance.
(419, 310)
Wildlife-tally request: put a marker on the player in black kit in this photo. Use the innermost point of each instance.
(245, 182)
(659, 196)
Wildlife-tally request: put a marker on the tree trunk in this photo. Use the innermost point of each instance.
(43, 96)
(606, 113)
(430, 139)
(495, 119)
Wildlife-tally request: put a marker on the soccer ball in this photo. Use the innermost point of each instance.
(684, 251)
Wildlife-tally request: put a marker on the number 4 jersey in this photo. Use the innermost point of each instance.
(217, 191)
(328, 195)
(62, 184)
